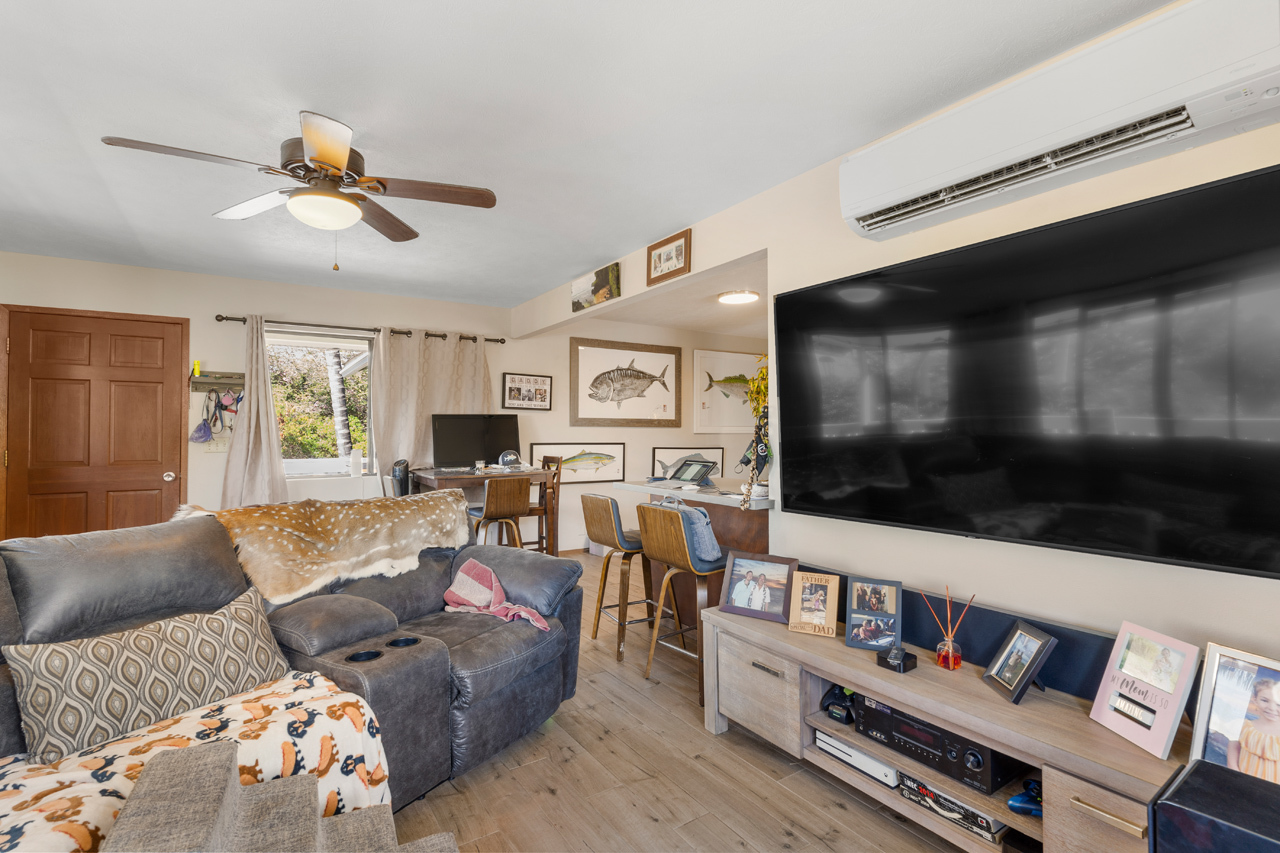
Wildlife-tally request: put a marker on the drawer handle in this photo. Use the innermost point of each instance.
(1109, 819)
(767, 669)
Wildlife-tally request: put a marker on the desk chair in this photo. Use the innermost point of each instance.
(604, 526)
(505, 500)
(665, 535)
(547, 509)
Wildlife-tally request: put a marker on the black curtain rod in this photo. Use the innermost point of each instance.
(223, 318)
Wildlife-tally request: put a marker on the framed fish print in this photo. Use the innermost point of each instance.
(585, 461)
(720, 391)
(669, 458)
(623, 384)
(669, 258)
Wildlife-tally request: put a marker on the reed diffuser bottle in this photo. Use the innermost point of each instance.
(948, 651)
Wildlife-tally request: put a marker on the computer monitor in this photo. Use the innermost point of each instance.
(462, 440)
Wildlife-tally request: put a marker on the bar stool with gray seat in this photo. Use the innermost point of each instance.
(604, 526)
(505, 500)
(665, 534)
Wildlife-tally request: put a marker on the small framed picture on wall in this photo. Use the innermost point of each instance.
(526, 391)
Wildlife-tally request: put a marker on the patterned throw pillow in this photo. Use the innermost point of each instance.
(81, 693)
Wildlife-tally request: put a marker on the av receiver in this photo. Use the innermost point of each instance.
(964, 760)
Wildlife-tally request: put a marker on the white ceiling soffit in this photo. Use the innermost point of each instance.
(601, 127)
(690, 301)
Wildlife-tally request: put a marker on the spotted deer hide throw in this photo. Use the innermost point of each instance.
(289, 550)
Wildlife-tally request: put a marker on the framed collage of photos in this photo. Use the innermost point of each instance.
(874, 614)
(526, 391)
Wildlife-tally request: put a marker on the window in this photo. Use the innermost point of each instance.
(1056, 344)
(876, 384)
(320, 384)
(918, 365)
(1118, 370)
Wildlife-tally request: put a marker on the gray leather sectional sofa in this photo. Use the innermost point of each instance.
(450, 690)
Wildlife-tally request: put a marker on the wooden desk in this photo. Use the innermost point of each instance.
(472, 485)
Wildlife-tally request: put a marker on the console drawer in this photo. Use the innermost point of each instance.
(761, 691)
(1080, 817)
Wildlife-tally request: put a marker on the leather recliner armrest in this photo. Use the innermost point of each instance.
(534, 580)
(322, 623)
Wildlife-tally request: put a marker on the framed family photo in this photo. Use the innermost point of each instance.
(526, 391)
(1238, 714)
(612, 383)
(757, 585)
(815, 603)
(1145, 688)
(585, 462)
(669, 258)
(873, 621)
(1018, 661)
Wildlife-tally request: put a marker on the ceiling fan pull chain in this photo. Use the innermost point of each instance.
(335, 251)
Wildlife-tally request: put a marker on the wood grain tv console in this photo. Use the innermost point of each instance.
(1096, 784)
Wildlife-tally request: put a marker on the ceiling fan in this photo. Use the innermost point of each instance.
(323, 159)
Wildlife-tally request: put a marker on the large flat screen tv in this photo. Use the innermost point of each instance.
(463, 440)
(1107, 384)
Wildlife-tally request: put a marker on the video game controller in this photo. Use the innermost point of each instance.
(1030, 801)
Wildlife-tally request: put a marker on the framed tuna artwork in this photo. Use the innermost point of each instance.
(586, 461)
(623, 384)
(720, 391)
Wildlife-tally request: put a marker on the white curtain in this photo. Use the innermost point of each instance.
(255, 467)
(415, 377)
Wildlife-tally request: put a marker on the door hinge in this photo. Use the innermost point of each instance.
(6, 459)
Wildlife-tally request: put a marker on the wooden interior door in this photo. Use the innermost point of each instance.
(97, 411)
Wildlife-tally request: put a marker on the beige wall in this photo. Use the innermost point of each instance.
(800, 225)
(61, 283)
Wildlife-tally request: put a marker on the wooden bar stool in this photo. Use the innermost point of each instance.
(505, 500)
(604, 526)
(547, 509)
(665, 534)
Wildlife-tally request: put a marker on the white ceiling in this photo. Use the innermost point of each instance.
(601, 126)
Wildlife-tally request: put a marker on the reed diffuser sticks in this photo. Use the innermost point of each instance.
(948, 651)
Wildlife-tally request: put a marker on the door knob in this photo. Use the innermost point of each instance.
(169, 476)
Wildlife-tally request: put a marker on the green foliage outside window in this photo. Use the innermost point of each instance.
(304, 407)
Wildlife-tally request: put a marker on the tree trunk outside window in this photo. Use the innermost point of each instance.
(338, 392)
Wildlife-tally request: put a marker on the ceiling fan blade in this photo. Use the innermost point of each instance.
(325, 141)
(254, 206)
(383, 221)
(120, 142)
(446, 193)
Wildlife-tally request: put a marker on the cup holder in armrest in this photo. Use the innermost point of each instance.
(401, 642)
(362, 657)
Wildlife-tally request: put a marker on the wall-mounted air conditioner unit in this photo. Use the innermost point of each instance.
(1197, 73)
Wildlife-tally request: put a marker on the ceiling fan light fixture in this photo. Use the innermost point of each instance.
(738, 297)
(326, 209)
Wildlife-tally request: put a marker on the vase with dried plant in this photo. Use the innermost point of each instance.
(948, 651)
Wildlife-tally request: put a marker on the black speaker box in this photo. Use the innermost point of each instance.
(1211, 808)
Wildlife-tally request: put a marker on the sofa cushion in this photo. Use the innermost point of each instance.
(528, 578)
(315, 625)
(70, 587)
(486, 653)
(411, 594)
(81, 693)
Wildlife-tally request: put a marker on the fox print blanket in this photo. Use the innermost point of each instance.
(301, 723)
(289, 550)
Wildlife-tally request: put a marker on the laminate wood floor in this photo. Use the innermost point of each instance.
(627, 765)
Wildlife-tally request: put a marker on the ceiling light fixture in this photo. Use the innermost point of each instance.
(862, 294)
(324, 207)
(738, 297)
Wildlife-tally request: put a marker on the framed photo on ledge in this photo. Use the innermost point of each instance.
(1018, 661)
(874, 620)
(757, 585)
(669, 258)
(1238, 714)
(526, 391)
(815, 603)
